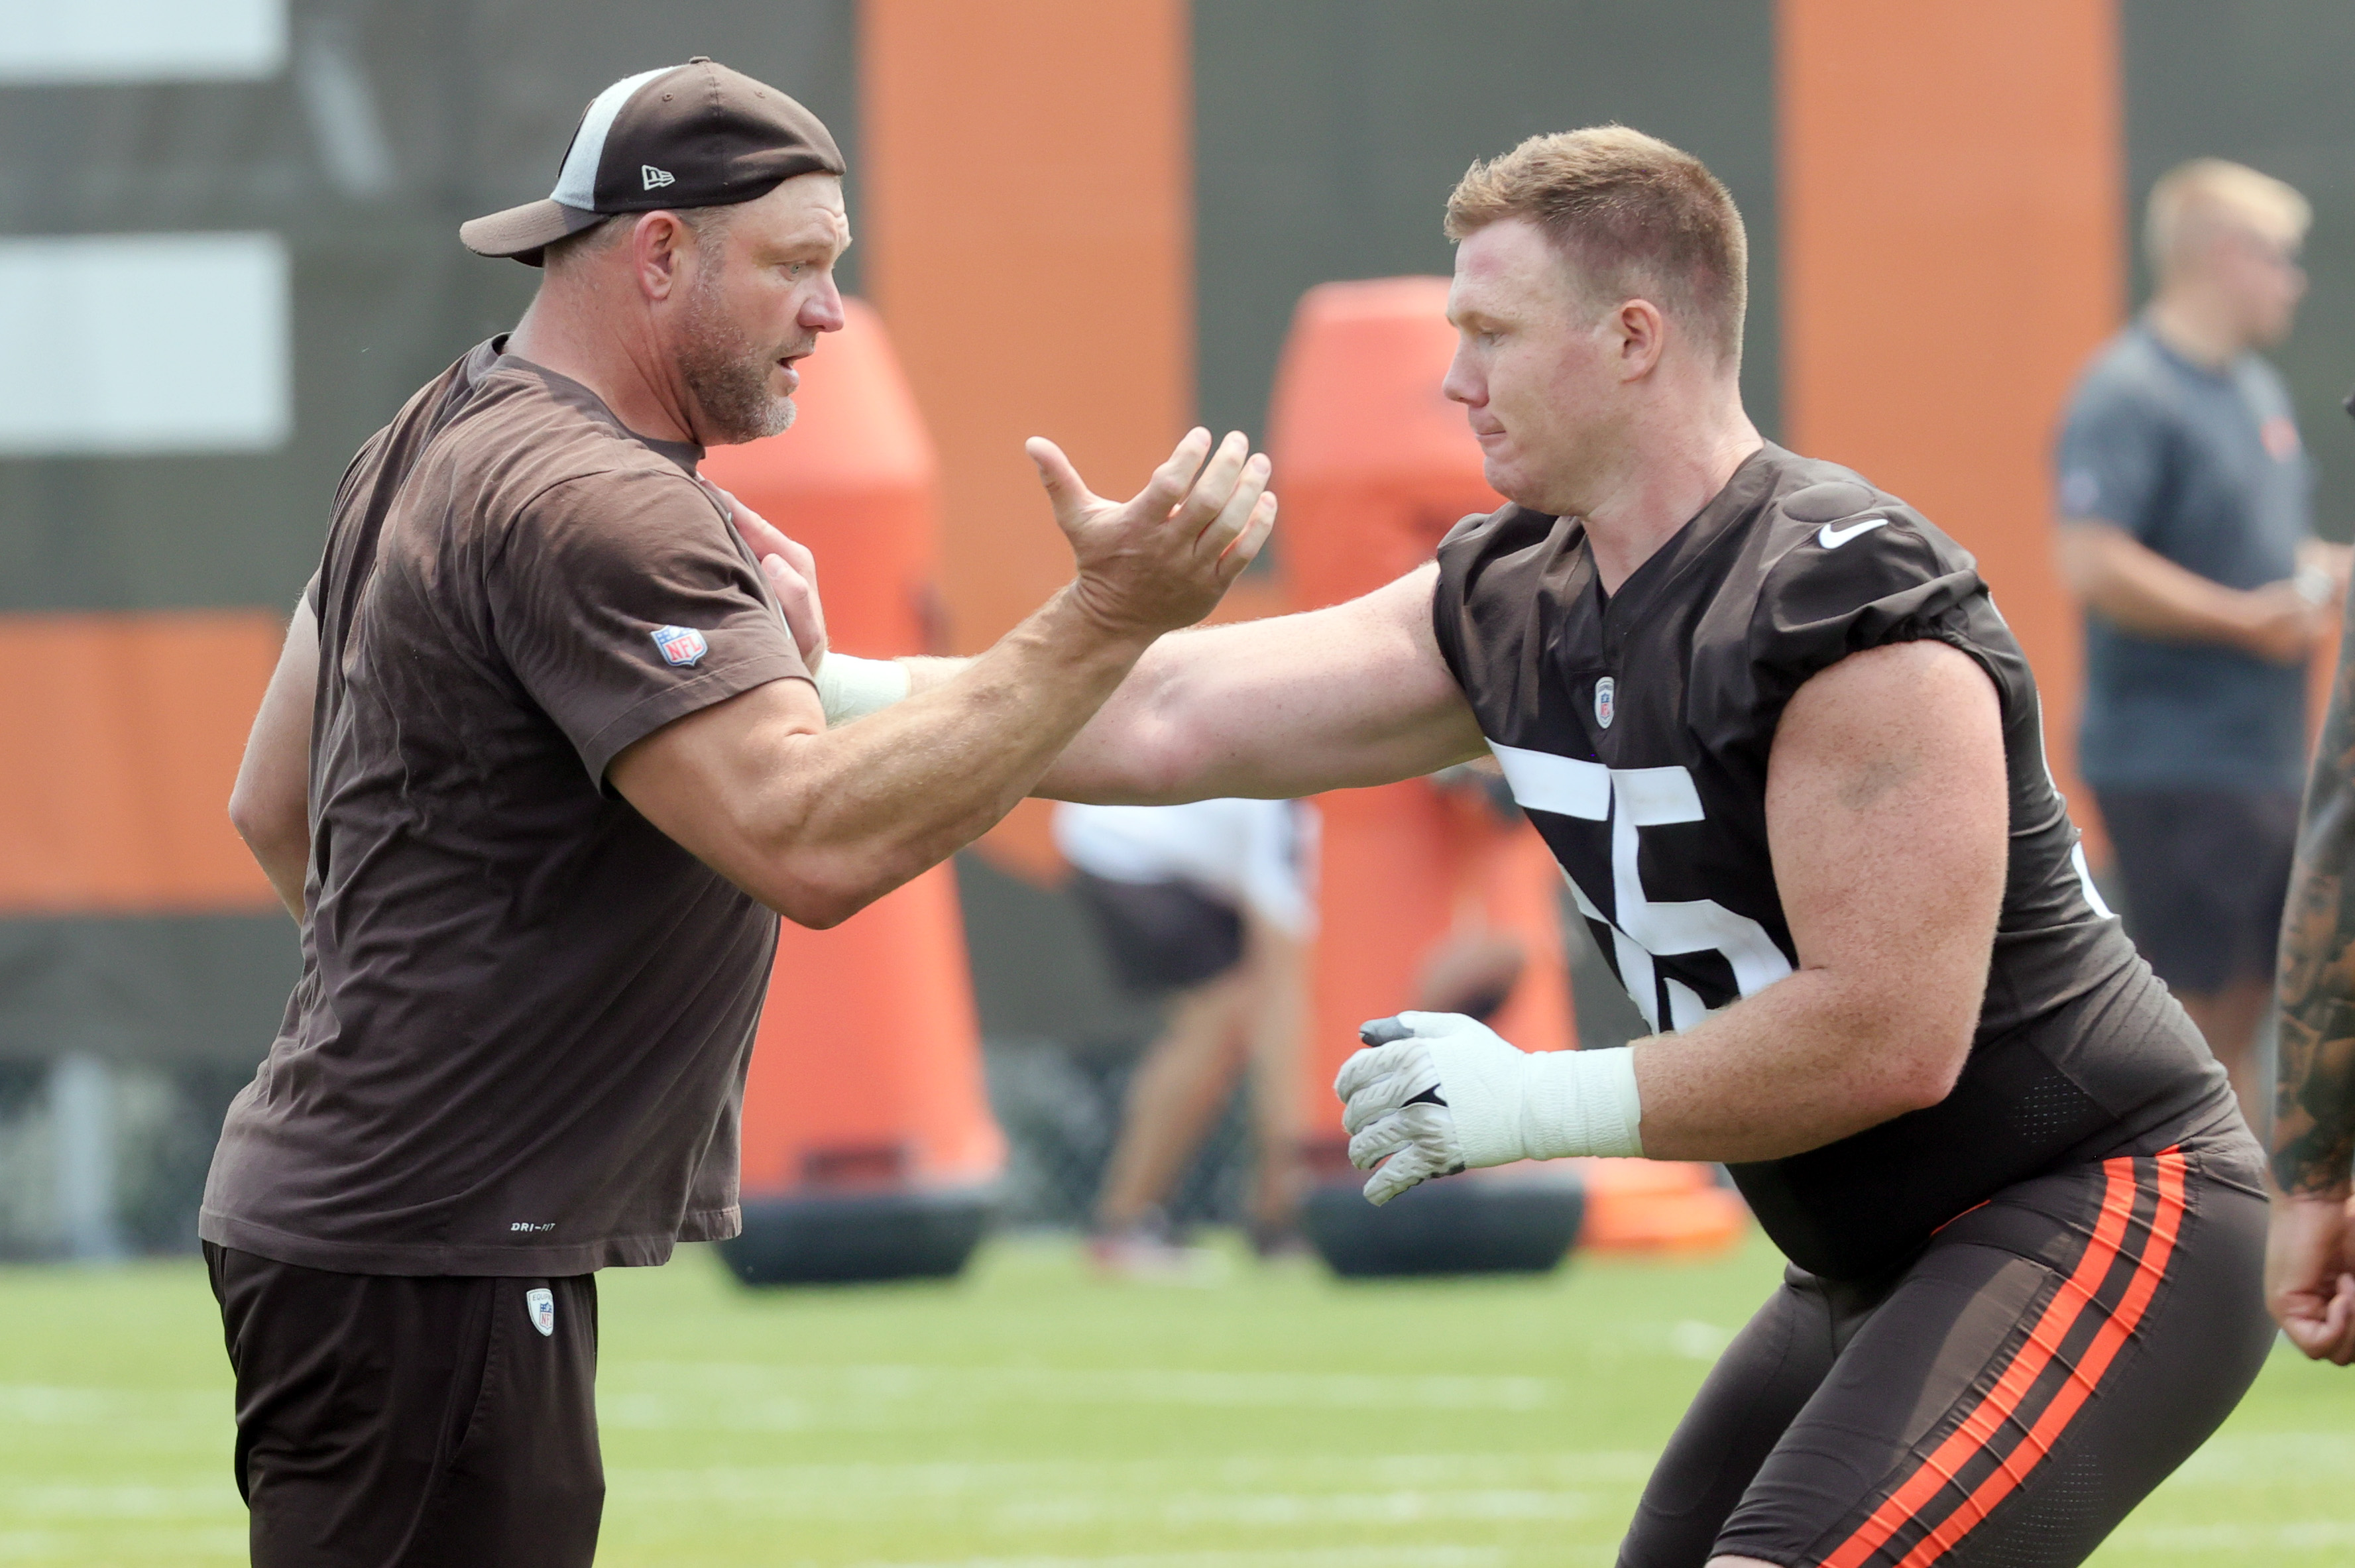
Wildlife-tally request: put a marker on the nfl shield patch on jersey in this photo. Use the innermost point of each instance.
(680, 645)
(1606, 701)
(540, 1302)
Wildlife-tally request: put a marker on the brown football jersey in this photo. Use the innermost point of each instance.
(1636, 730)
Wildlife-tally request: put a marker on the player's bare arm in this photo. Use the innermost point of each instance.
(270, 805)
(1887, 777)
(1887, 781)
(2311, 1250)
(1342, 698)
(816, 822)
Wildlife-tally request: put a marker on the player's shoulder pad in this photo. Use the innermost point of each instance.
(1508, 526)
(1848, 565)
(1490, 546)
(1833, 526)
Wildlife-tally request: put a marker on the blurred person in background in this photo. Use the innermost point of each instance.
(2310, 1249)
(1208, 908)
(2186, 528)
(539, 767)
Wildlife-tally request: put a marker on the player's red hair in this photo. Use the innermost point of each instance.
(1637, 218)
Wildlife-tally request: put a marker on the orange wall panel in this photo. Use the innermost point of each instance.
(122, 735)
(1027, 212)
(1027, 215)
(1951, 175)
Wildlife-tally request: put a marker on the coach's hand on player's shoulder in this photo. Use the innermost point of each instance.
(2310, 1274)
(792, 571)
(1162, 559)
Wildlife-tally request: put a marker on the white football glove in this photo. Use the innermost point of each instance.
(1434, 1093)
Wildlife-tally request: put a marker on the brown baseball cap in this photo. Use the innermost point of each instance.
(697, 134)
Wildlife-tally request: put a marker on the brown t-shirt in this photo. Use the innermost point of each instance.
(519, 1040)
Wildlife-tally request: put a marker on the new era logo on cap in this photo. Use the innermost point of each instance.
(721, 136)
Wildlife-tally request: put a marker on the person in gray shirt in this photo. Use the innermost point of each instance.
(2186, 528)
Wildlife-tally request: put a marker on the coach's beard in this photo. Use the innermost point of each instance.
(727, 376)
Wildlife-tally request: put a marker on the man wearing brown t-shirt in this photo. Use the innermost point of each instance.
(539, 761)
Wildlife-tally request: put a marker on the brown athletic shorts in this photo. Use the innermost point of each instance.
(2001, 1402)
(2206, 872)
(390, 1421)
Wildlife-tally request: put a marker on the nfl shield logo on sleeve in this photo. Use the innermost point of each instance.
(1606, 698)
(541, 1303)
(680, 645)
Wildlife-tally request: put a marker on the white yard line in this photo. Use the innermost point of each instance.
(1222, 1390)
(1432, 1556)
(943, 1481)
(2242, 1540)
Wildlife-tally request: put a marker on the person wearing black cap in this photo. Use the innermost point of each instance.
(539, 761)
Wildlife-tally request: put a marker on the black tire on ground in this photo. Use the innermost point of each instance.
(1455, 1225)
(849, 1238)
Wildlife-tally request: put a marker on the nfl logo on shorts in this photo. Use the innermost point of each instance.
(680, 645)
(1606, 696)
(541, 1304)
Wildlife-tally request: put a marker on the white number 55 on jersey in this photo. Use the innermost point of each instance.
(1644, 930)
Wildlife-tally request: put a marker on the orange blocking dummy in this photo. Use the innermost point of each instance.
(1428, 895)
(868, 1143)
(1374, 466)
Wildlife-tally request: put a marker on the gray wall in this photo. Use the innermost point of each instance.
(465, 106)
(1329, 132)
(2270, 83)
(462, 106)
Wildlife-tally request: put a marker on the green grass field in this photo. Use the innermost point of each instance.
(1030, 1416)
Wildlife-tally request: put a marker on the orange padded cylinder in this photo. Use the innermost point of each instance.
(867, 1072)
(1374, 466)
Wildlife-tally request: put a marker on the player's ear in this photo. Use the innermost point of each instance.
(1643, 335)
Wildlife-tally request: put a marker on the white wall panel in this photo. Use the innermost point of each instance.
(143, 343)
(140, 40)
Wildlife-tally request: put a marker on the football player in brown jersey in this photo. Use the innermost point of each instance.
(1790, 760)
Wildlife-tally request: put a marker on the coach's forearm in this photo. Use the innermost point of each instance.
(1805, 1063)
(856, 811)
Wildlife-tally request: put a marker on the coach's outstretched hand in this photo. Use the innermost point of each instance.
(1434, 1093)
(1162, 559)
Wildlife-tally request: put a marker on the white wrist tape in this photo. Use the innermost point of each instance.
(850, 689)
(1582, 1101)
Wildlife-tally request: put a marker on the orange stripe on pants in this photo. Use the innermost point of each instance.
(2053, 1327)
(2083, 1379)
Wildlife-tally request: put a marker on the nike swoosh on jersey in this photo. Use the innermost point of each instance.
(1832, 537)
